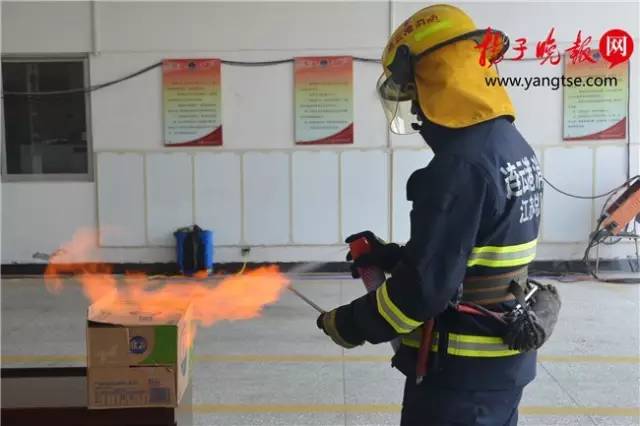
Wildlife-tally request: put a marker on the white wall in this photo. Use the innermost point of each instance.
(268, 197)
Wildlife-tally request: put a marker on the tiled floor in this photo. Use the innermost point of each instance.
(280, 370)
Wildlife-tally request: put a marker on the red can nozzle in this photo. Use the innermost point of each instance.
(372, 277)
(359, 247)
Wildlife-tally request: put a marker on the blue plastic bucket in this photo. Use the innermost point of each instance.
(206, 243)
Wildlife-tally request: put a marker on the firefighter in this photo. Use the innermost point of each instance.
(474, 227)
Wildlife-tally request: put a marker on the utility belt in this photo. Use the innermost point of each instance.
(493, 289)
(524, 328)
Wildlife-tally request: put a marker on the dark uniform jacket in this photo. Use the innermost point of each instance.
(476, 213)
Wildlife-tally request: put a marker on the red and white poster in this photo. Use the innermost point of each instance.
(324, 100)
(192, 104)
(596, 109)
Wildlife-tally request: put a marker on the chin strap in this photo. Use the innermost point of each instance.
(420, 118)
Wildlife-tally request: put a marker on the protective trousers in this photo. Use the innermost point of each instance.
(431, 405)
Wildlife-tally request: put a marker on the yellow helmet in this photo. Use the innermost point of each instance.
(415, 50)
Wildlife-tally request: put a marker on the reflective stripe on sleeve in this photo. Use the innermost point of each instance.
(401, 323)
(413, 339)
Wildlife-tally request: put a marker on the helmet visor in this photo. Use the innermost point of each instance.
(396, 102)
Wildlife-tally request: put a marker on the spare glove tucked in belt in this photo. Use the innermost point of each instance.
(531, 326)
(341, 329)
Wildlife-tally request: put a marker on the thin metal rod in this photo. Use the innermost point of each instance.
(307, 300)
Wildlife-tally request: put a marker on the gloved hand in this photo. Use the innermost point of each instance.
(334, 325)
(383, 255)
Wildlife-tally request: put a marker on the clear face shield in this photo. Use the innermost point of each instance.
(398, 103)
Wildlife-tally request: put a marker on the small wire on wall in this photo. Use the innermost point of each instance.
(156, 65)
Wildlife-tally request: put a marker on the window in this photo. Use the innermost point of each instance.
(46, 137)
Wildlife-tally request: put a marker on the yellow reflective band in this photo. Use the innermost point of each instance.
(410, 342)
(505, 249)
(468, 345)
(503, 256)
(481, 354)
(431, 29)
(395, 317)
(502, 263)
(467, 338)
(478, 346)
(413, 339)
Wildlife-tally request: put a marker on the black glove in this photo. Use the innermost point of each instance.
(524, 333)
(383, 255)
(532, 326)
(334, 325)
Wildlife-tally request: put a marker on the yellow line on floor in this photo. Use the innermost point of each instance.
(217, 358)
(580, 411)
(295, 408)
(291, 358)
(395, 408)
(605, 359)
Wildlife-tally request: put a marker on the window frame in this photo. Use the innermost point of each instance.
(52, 177)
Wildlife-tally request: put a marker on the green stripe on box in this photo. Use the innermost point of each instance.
(165, 348)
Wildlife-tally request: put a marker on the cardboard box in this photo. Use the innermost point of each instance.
(137, 359)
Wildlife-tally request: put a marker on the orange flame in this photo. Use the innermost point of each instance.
(233, 298)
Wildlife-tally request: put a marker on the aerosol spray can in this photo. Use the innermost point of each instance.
(372, 276)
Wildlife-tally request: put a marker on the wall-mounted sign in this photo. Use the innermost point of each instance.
(596, 102)
(324, 100)
(192, 108)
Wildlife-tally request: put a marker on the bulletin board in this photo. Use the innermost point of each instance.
(192, 102)
(324, 100)
(595, 112)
